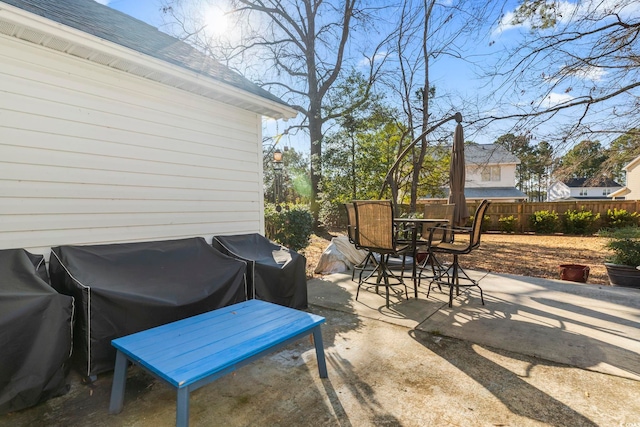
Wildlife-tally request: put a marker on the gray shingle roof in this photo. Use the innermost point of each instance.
(584, 182)
(114, 26)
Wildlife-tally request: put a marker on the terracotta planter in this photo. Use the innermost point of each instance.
(623, 275)
(421, 256)
(574, 272)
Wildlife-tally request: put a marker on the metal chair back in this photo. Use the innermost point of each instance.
(374, 224)
(476, 227)
(352, 231)
(444, 211)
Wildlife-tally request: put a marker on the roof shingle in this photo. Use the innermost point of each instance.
(116, 27)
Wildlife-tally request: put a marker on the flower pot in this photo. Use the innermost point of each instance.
(574, 272)
(623, 275)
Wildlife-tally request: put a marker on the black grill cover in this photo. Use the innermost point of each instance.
(125, 288)
(274, 273)
(35, 332)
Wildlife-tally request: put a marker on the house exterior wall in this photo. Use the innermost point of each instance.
(633, 181)
(506, 174)
(91, 155)
(558, 191)
(561, 191)
(591, 191)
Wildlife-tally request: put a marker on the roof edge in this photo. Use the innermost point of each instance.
(632, 163)
(50, 34)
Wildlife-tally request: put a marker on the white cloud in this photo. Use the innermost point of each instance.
(104, 2)
(592, 73)
(365, 62)
(554, 99)
(507, 23)
(568, 11)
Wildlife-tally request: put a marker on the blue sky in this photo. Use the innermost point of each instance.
(144, 10)
(445, 74)
(449, 75)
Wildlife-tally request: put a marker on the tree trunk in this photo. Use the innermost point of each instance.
(315, 133)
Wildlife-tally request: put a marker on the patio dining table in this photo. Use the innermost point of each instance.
(414, 225)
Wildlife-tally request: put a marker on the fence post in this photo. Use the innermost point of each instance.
(521, 216)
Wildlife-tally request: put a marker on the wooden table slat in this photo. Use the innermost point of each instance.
(204, 366)
(187, 345)
(223, 327)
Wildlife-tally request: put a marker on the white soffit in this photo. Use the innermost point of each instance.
(15, 22)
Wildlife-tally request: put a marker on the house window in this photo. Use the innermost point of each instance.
(583, 191)
(606, 191)
(490, 173)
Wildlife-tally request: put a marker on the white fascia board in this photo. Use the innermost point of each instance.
(23, 18)
(621, 192)
(632, 163)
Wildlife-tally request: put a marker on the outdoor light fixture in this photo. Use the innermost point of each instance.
(277, 160)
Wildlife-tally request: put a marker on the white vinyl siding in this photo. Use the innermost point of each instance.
(93, 155)
(633, 181)
(503, 175)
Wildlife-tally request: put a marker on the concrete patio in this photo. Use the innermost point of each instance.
(540, 352)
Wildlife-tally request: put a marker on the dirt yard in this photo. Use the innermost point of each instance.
(522, 254)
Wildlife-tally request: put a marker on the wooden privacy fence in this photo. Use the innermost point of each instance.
(523, 210)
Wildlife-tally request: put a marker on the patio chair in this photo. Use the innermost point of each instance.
(463, 241)
(430, 240)
(352, 234)
(275, 273)
(35, 337)
(376, 233)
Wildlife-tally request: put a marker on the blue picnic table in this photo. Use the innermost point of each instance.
(195, 351)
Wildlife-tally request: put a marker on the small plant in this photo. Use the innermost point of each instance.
(620, 218)
(417, 215)
(508, 224)
(545, 222)
(580, 222)
(291, 226)
(625, 245)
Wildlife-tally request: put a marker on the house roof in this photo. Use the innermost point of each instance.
(482, 154)
(116, 27)
(620, 192)
(584, 182)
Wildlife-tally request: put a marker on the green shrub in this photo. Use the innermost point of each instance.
(508, 224)
(580, 222)
(291, 227)
(544, 221)
(620, 218)
(333, 214)
(625, 244)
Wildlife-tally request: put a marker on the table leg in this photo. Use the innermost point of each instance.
(118, 384)
(182, 408)
(322, 364)
(414, 240)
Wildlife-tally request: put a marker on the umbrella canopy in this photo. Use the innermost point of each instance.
(457, 177)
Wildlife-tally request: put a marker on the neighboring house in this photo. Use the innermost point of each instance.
(112, 131)
(631, 191)
(581, 188)
(490, 174)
